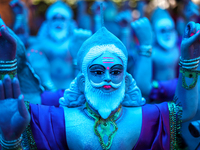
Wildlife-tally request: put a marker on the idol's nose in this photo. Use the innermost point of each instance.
(107, 77)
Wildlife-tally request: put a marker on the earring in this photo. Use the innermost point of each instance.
(128, 80)
(81, 82)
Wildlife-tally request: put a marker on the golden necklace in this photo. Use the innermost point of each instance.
(105, 125)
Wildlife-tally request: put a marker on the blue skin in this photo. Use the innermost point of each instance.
(7, 42)
(15, 120)
(11, 99)
(108, 72)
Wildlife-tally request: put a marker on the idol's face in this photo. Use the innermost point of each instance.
(165, 33)
(59, 22)
(58, 27)
(106, 72)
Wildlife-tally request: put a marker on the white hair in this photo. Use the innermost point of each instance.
(73, 97)
(97, 51)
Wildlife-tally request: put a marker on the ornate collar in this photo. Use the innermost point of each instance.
(105, 126)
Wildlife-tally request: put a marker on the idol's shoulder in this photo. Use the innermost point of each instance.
(128, 113)
(132, 109)
(74, 110)
(148, 109)
(75, 115)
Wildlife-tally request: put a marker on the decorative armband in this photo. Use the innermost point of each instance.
(8, 67)
(189, 63)
(14, 144)
(187, 69)
(190, 74)
(145, 50)
(28, 141)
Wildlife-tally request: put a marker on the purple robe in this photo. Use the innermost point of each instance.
(48, 127)
(155, 132)
(51, 98)
(164, 92)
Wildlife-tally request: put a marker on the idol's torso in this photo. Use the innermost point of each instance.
(80, 129)
(60, 60)
(165, 63)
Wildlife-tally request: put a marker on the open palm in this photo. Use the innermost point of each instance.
(14, 115)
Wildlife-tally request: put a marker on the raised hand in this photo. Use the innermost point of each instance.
(190, 46)
(143, 30)
(78, 37)
(187, 91)
(96, 7)
(191, 9)
(124, 18)
(17, 7)
(14, 115)
(20, 26)
(7, 43)
(143, 68)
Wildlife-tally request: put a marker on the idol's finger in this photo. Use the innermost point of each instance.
(16, 88)
(7, 87)
(2, 95)
(190, 29)
(2, 24)
(6, 34)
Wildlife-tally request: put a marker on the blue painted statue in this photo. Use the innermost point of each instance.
(103, 108)
(51, 58)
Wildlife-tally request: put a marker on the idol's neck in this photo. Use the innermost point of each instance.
(158, 46)
(111, 114)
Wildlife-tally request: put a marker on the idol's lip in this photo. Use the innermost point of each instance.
(58, 27)
(107, 86)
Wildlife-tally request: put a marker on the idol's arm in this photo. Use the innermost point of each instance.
(97, 16)
(14, 115)
(187, 90)
(79, 36)
(124, 19)
(143, 66)
(41, 65)
(20, 26)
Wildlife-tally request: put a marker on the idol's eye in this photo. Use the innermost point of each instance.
(163, 31)
(97, 72)
(115, 72)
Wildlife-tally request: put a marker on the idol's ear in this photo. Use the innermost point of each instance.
(153, 37)
(128, 80)
(81, 82)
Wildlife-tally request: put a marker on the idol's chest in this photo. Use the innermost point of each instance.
(80, 131)
(56, 49)
(165, 59)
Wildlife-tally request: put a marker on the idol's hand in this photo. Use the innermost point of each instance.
(96, 7)
(21, 19)
(143, 30)
(7, 43)
(190, 46)
(14, 115)
(79, 36)
(191, 9)
(17, 7)
(124, 18)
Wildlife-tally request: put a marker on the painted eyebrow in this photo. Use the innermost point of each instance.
(117, 66)
(97, 65)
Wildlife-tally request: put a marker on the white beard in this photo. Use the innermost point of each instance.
(103, 102)
(58, 35)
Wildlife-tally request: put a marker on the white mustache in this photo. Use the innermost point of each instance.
(98, 85)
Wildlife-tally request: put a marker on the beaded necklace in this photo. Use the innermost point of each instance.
(105, 126)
